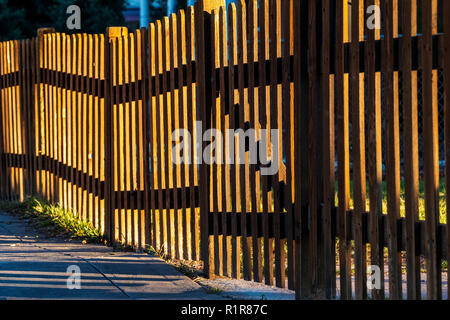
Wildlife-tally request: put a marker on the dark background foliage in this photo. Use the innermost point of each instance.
(21, 19)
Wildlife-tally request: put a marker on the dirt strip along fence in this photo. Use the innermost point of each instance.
(87, 122)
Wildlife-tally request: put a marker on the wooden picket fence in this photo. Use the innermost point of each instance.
(87, 123)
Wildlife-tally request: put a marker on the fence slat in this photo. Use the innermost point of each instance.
(84, 125)
(45, 114)
(232, 60)
(64, 116)
(31, 111)
(4, 181)
(165, 123)
(328, 154)
(5, 131)
(130, 155)
(191, 107)
(298, 266)
(374, 165)
(166, 51)
(288, 142)
(13, 112)
(275, 196)
(9, 125)
(6, 122)
(12, 119)
(54, 120)
(145, 213)
(183, 119)
(23, 115)
(358, 142)
(35, 122)
(2, 131)
(96, 133)
(57, 102)
(89, 131)
(125, 139)
(78, 124)
(116, 134)
(263, 49)
(3, 186)
(108, 151)
(243, 162)
(150, 131)
(20, 120)
(431, 158)
(159, 136)
(392, 152)
(69, 139)
(132, 139)
(411, 153)
(60, 106)
(173, 126)
(225, 186)
(446, 13)
(99, 128)
(312, 144)
(83, 129)
(342, 114)
(138, 144)
(25, 60)
(254, 108)
(23, 89)
(214, 186)
(116, 201)
(30, 115)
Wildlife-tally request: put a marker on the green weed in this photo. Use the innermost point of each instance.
(54, 219)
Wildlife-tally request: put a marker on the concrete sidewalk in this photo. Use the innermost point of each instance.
(36, 268)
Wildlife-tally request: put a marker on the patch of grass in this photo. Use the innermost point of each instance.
(54, 219)
(152, 251)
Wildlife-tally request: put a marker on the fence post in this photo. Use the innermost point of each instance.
(203, 9)
(111, 33)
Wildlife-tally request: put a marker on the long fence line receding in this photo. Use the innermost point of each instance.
(87, 122)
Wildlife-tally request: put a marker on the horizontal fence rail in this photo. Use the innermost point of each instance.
(116, 128)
